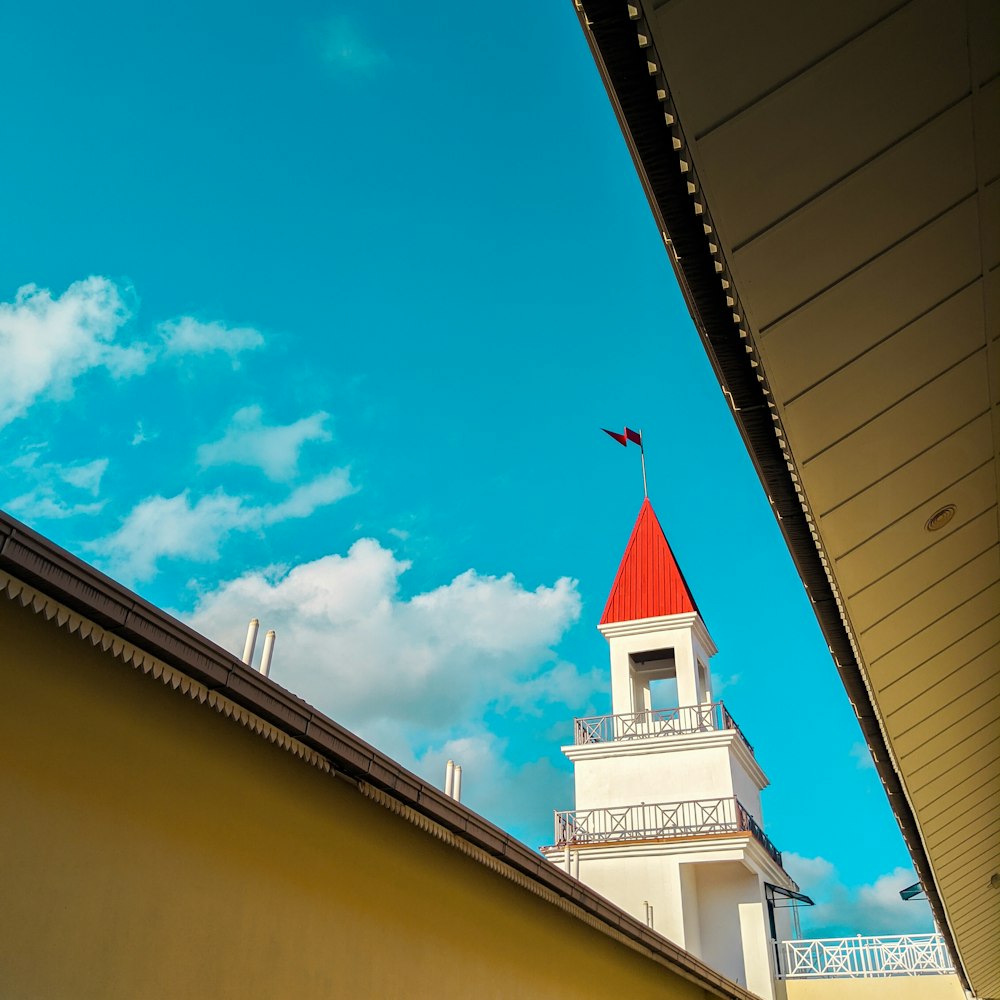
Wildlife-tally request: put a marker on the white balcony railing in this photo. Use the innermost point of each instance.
(658, 821)
(655, 722)
(865, 957)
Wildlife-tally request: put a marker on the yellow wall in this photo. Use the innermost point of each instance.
(150, 847)
(889, 988)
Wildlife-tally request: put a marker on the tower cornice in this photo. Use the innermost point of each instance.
(662, 623)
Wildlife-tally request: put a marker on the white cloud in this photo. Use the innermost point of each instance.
(351, 645)
(187, 335)
(302, 501)
(562, 682)
(423, 677)
(176, 528)
(43, 503)
(46, 499)
(875, 908)
(172, 528)
(862, 756)
(521, 794)
(275, 449)
(722, 683)
(47, 342)
(140, 436)
(28, 459)
(86, 475)
(345, 48)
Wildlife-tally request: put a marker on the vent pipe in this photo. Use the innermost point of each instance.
(449, 777)
(456, 790)
(251, 640)
(265, 656)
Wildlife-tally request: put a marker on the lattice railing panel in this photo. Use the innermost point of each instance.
(655, 723)
(863, 957)
(658, 821)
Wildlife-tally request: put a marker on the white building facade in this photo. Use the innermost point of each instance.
(668, 822)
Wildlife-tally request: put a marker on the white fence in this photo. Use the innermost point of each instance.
(861, 957)
(658, 820)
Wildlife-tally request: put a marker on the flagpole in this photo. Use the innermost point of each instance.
(642, 455)
(636, 438)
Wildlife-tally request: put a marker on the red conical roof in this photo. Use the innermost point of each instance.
(649, 583)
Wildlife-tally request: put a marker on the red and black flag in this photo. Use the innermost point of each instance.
(623, 439)
(636, 438)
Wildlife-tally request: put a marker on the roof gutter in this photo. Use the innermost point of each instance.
(640, 97)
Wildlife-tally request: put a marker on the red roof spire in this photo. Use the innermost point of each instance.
(649, 583)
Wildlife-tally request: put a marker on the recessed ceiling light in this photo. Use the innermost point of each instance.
(940, 518)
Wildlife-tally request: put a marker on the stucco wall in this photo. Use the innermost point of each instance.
(153, 848)
(719, 917)
(635, 879)
(889, 988)
(746, 790)
(633, 773)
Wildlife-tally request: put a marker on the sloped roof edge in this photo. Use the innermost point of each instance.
(29, 557)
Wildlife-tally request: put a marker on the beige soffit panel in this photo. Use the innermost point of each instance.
(892, 369)
(842, 229)
(846, 161)
(910, 488)
(916, 575)
(847, 109)
(911, 426)
(885, 295)
(732, 69)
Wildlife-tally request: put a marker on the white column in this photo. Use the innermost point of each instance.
(622, 693)
(642, 699)
(757, 948)
(702, 655)
(689, 902)
(687, 682)
(669, 901)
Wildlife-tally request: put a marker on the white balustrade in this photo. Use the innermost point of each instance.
(865, 957)
(655, 722)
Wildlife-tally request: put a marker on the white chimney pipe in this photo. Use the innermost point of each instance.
(449, 777)
(456, 791)
(265, 656)
(251, 640)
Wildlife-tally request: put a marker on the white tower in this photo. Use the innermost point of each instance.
(668, 822)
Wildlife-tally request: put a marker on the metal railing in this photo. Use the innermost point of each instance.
(658, 821)
(655, 722)
(865, 957)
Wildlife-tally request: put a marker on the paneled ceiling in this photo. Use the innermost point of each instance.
(842, 163)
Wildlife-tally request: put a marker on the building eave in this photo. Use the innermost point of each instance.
(641, 100)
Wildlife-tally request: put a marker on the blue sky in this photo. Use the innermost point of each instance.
(316, 315)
